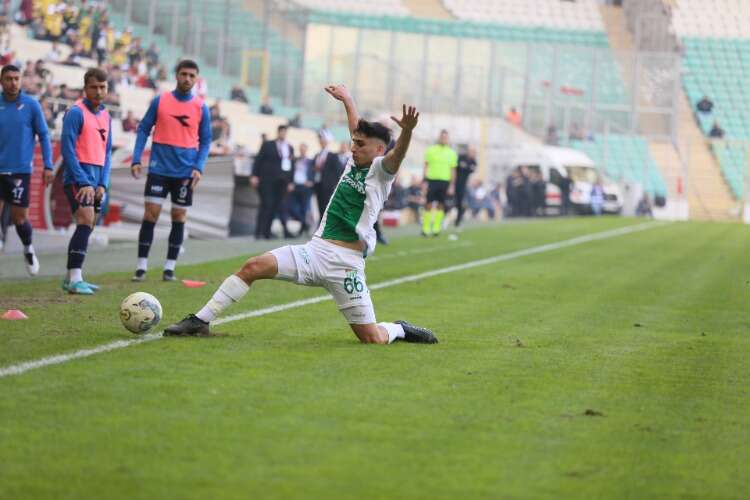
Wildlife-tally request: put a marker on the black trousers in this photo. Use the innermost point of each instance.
(460, 194)
(271, 195)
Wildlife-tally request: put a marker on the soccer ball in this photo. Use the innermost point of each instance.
(140, 312)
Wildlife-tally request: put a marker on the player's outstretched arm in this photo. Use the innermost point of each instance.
(409, 120)
(341, 93)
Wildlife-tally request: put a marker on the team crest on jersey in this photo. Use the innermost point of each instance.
(20, 106)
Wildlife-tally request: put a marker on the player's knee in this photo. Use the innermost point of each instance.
(85, 216)
(179, 215)
(251, 270)
(17, 217)
(151, 212)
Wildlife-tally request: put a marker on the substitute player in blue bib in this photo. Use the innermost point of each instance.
(86, 144)
(182, 137)
(21, 123)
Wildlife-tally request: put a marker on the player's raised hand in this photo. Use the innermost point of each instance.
(409, 118)
(338, 92)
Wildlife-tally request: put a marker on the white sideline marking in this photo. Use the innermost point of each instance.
(84, 353)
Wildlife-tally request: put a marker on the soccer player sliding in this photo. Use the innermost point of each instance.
(335, 257)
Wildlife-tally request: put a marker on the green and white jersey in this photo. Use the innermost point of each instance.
(356, 204)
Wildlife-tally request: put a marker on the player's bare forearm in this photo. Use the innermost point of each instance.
(394, 158)
(352, 115)
(341, 93)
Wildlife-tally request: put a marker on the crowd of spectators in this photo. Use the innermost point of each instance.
(84, 27)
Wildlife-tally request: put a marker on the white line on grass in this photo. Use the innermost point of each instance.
(84, 353)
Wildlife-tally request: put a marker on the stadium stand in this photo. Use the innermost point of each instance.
(382, 7)
(625, 158)
(580, 15)
(717, 62)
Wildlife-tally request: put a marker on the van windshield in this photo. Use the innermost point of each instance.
(582, 174)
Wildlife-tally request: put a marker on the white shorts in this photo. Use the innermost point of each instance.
(339, 270)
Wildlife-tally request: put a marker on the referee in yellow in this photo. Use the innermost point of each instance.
(440, 161)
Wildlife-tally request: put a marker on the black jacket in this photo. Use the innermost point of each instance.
(267, 165)
(330, 172)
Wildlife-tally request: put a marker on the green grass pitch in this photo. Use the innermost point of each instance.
(617, 368)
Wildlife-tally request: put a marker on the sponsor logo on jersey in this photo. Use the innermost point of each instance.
(183, 119)
(157, 189)
(358, 185)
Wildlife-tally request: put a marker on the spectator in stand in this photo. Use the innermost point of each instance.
(238, 94)
(552, 138)
(514, 117)
(69, 94)
(152, 54)
(576, 133)
(54, 55)
(41, 70)
(716, 131)
(25, 12)
(265, 108)
(705, 105)
(296, 121)
(7, 56)
(74, 56)
(49, 116)
(129, 123)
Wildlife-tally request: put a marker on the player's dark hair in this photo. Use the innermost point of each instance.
(96, 73)
(187, 64)
(282, 127)
(375, 130)
(9, 68)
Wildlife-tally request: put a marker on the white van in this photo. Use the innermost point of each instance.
(561, 166)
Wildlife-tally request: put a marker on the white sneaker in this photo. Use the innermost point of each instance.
(32, 263)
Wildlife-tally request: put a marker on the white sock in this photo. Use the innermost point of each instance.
(75, 275)
(142, 263)
(395, 331)
(170, 264)
(28, 249)
(231, 291)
